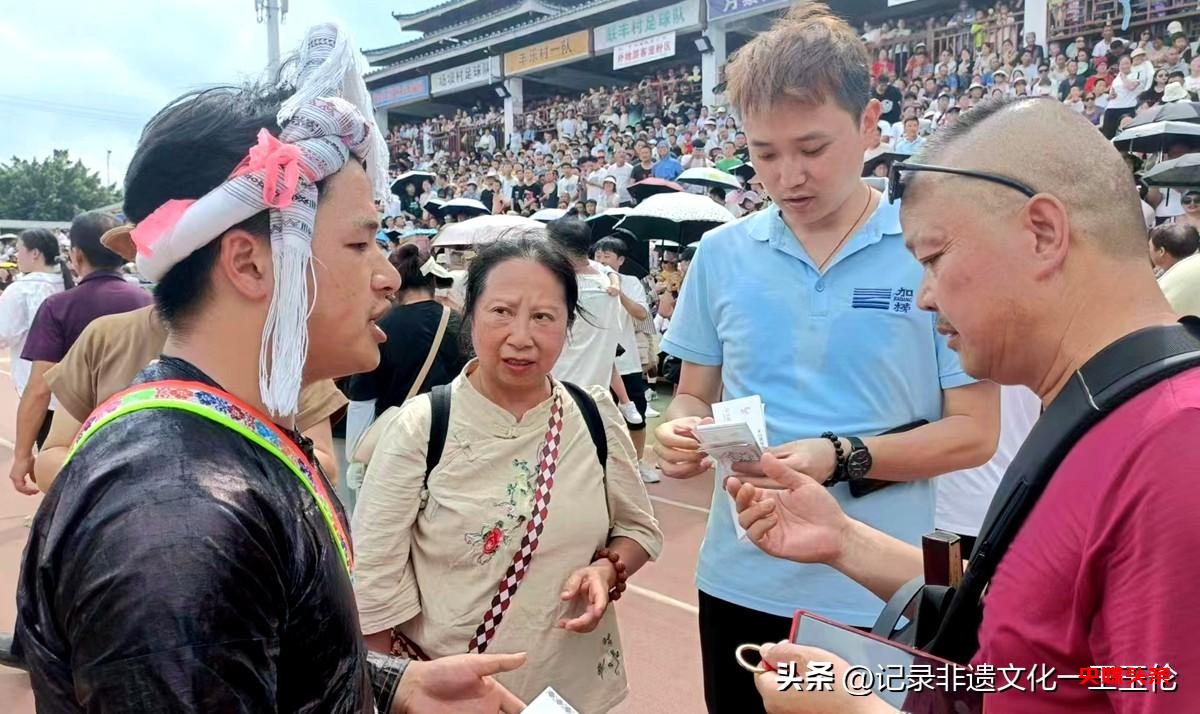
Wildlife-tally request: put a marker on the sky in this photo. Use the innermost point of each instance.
(85, 75)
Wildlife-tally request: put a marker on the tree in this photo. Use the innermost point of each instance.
(51, 190)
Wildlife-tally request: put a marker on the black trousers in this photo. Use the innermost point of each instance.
(729, 689)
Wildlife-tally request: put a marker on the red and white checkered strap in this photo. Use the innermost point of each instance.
(547, 466)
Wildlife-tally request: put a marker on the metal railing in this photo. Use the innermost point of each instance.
(995, 29)
(1069, 19)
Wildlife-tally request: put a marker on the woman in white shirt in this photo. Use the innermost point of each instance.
(1192, 81)
(1122, 98)
(43, 273)
(610, 198)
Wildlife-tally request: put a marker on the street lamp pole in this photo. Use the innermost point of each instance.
(271, 12)
(108, 168)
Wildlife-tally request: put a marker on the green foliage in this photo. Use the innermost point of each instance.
(51, 190)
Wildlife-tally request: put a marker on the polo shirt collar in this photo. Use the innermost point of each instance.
(98, 274)
(884, 221)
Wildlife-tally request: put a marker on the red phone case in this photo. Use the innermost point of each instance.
(917, 702)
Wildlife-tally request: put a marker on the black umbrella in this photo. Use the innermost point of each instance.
(886, 157)
(681, 217)
(602, 224)
(1155, 136)
(416, 178)
(1174, 111)
(1183, 172)
(637, 254)
(434, 207)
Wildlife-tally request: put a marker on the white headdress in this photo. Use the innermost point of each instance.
(328, 118)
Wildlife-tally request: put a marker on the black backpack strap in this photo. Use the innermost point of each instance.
(595, 425)
(439, 424)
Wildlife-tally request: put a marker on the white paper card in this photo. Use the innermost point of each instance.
(749, 411)
(549, 702)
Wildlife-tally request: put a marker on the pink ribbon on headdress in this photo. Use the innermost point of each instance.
(271, 156)
(154, 226)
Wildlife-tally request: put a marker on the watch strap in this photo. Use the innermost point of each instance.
(856, 445)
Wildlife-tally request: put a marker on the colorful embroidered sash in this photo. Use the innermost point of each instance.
(523, 558)
(228, 411)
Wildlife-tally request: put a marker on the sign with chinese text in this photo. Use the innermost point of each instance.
(547, 54)
(406, 92)
(723, 9)
(672, 18)
(645, 50)
(467, 75)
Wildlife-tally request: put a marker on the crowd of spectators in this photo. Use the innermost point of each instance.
(577, 154)
(582, 153)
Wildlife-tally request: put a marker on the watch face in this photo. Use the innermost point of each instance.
(858, 463)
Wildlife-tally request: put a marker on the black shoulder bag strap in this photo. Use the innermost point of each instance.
(1118, 373)
(439, 425)
(595, 425)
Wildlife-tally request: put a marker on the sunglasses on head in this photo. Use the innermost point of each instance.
(896, 177)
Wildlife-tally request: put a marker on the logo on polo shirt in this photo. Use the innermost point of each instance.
(897, 300)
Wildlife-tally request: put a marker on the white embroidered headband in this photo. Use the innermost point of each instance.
(325, 121)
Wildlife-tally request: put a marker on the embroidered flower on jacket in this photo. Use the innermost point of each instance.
(513, 513)
(492, 541)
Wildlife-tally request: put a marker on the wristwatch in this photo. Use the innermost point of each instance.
(858, 461)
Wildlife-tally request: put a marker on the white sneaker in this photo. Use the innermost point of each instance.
(649, 473)
(630, 412)
(651, 395)
(652, 413)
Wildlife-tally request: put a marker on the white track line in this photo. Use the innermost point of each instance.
(680, 504)
(663, 599)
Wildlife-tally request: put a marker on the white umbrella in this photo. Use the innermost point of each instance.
(468, 206)
(709, 177)
(1149, 138)
(681, 217)
(549, 214)
(485, 229)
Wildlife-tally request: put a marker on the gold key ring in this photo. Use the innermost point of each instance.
(740, 655)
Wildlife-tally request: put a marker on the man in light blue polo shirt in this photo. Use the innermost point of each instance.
(811, 304)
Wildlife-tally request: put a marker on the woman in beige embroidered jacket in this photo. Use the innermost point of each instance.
(427, 574)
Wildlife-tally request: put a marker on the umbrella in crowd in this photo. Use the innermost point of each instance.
(465, 207)
(549, 214)
(680, 217)
(1149, 138)
(709, 178)
(434, 207)
(742, 169)
(1174, 111)
(416, 178)
(484, 229)
(648, 187)
(886, 158)
(637, 253)
(602, 224)
(1183, 172)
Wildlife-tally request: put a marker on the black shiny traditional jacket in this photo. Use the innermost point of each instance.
(177, 567)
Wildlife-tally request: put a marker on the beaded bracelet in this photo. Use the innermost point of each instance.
(613, 557)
